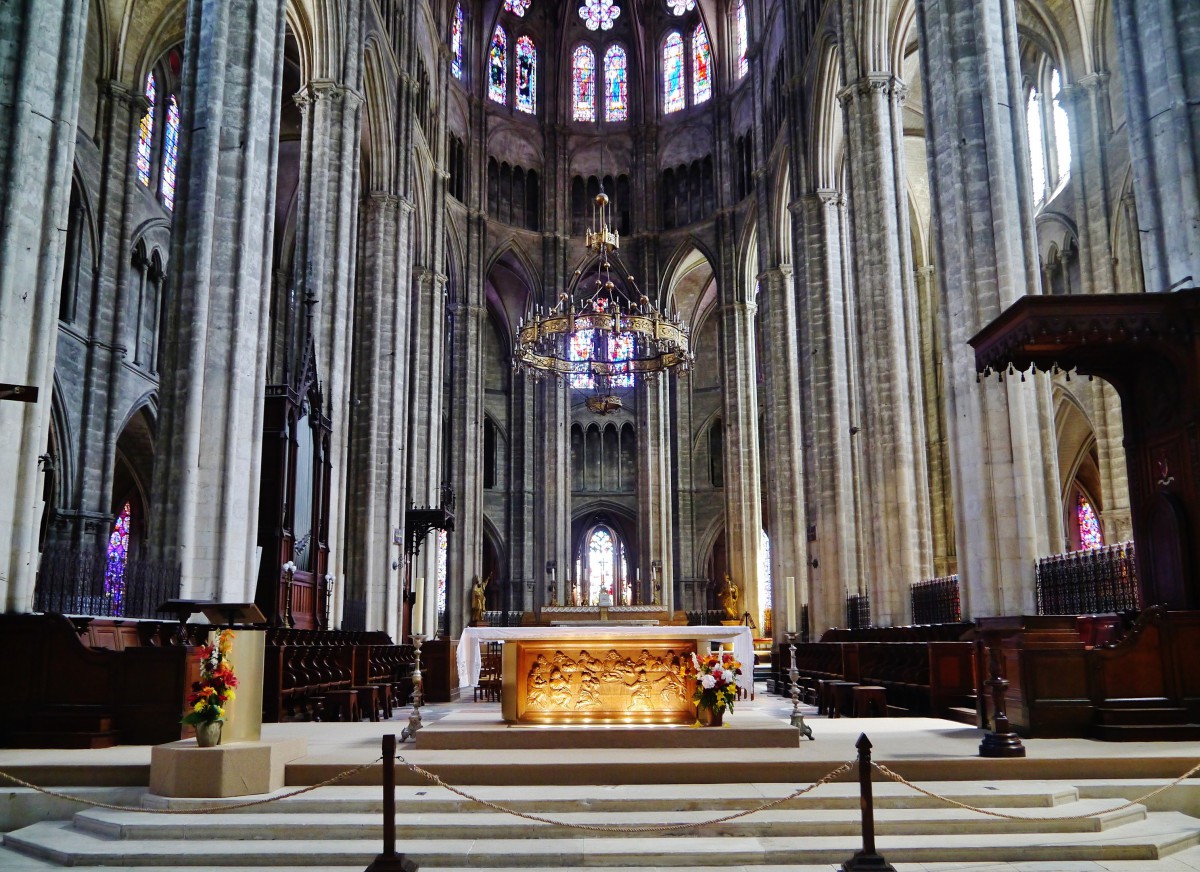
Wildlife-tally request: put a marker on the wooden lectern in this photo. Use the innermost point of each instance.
(243, 721)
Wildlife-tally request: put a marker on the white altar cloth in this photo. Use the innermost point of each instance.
(472, 637)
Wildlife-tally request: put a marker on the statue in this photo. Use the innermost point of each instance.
(728, 595)
(477, 600)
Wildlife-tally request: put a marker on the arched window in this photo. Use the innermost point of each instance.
(170, 154)
(517, 7)
(117, 557)
(1090, 535)
(583, 87)
(601, 566)
(701, 65)
(616, 84)
(681, 6)
(498, 66)
(620, 350)
(458, 43)
(526, 75)
(145, 146)
(1049, 134)
(764, 581)
(443, 540)
(741, 38)
(1062, 133)
(1037, 149)
(581, 350)
(673, 85)
(599, 14)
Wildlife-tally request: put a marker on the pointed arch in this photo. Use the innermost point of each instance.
(583, 83)
(616, 84)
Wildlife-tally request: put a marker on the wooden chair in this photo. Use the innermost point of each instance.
(491, 664)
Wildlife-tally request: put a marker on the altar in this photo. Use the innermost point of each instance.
(600, 674)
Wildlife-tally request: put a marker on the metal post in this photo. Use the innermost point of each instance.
(389, 860)
(794, 675)
(418, 695)
(866, 860)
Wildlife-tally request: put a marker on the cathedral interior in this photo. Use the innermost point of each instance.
(264, 266)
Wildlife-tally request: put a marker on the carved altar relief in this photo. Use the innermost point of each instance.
(640, 682)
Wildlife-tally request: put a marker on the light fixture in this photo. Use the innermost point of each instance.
(603, 333)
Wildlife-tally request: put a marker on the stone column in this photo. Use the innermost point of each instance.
(825, 397)
(1003, 466)
(41, 58)
(1158, 43)
(936, 449)
(552, 492)
(656, 530)
(378, 430)
(206, 487)
(1086, 105)
(466, 449)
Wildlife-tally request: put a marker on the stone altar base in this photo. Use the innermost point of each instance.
(181, 769)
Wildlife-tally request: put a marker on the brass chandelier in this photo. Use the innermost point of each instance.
(597, 337)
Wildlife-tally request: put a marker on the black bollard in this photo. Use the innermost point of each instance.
(867, 858)
(389, 860)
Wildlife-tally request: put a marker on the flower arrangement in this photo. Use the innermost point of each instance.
(215, 688)
(716, 680)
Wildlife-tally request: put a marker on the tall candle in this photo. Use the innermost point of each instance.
(789, 601)
(418, 612)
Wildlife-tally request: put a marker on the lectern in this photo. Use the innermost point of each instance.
(243, 719)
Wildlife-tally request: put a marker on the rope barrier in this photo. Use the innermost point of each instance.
(628, 828)
(900, 779)
(204, 810)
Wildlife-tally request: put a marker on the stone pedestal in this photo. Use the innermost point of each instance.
(181, 769)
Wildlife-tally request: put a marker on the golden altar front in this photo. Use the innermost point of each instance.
(598, 680)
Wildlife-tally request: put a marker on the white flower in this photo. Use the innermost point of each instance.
(708, 682)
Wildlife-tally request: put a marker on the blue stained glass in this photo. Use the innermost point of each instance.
(170, 154)
(701, 65)
(580, 350)
(526, 75)
(146, 135)
(117, 557)
(616, 84)
(498, 66)
(457, 35)
(583, 84)
(673, 92)
(620, 350)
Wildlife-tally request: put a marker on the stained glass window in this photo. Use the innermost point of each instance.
(741, 37)
(1089, 525)
(620, 350)
(673, 96)
(599, 14)
(457, 37)
(616, 85)
(526, 75)
(443, 550)
(1037, 148)
(118, 555)
(517, 6)
(170, 154)
(764, 580)
(583, 88)
(581, 350)
(498, 66)
(681, 6)
(602, 562)
(701, 65)
(145, 144)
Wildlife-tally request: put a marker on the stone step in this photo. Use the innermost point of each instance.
(496, 825)
(653, 797)
(1153, 838)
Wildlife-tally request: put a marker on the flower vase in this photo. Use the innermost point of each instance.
(710, 716)
(208, 735)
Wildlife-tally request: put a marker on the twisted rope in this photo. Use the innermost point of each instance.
(205, 810)
(626, 828)
(897, 777)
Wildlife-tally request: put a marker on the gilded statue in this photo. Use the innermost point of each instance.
(478, 601)
(728, 595)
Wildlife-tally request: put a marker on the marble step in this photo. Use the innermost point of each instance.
(493, 825)
(653, 797)
(1155, 837)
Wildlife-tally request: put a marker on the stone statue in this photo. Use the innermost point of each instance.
(477, 599)
(728, 595)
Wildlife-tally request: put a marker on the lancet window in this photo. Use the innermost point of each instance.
(498, 66)
(526, 63)
(583, 84)
(458, 43)
(117, 557)
(741, 38)
(616, 84)
(674, 89)
(701, 65)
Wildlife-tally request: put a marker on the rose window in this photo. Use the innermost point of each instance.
(599, 14)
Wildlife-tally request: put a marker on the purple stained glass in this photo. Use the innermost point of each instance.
(443, 550)
(170, 154)
(583, 87)
(616, 84)
(1090, 535)
(580, 350)
(620, 350)
(701, 65)
(599, 14)
(526, 75)
(517, 7)
(741, 38)
(498, 66)
(457, 35)
(673, 91)
(117, 557)
(145, 144)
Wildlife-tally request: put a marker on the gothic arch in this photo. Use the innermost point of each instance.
(826, 132)
(137, 56)
(65, 441)
(379, 148)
